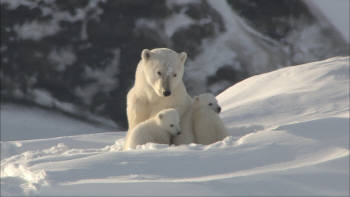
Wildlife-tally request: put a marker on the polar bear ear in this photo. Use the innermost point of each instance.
(146, 54)
(183, 56)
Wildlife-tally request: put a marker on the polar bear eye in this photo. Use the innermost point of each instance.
(210, 104)
(159, 73)
(175, 75)
(171, 125)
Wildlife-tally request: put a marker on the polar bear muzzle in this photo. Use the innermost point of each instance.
(166, 91)
(166, 85)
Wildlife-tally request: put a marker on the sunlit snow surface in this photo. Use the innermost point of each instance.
(290, 136)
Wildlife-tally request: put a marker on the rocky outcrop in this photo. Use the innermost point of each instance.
(80, 56)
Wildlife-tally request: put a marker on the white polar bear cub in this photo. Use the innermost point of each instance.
(158, 85)
(207, 125)
(158, 130)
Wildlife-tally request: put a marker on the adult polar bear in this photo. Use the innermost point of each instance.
(158, 85)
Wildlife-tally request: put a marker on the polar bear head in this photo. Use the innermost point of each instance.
(207, 100)
(163, 69)
(169, 120)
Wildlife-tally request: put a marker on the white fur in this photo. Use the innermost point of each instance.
(207, 125)
(146, 99)
(187, 135)
(156, 130)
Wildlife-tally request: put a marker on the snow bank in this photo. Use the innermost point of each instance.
(290, 136)
(301, 93)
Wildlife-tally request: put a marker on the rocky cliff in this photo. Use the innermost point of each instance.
(79, 57)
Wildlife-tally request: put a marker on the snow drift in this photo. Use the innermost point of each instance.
(290, 136)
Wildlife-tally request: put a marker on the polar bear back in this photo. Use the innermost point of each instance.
(147, 132)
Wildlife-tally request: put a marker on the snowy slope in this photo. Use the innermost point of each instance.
(290, 136)
(24, 123)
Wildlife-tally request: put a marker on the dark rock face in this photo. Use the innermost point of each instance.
(80, 56)
(287, 22)
(273, 18)
(197, 32)
(89, 58)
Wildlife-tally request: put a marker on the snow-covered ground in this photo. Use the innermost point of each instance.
(290, 136)
(25, 123)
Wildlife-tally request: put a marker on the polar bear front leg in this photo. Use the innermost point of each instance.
(136, 112)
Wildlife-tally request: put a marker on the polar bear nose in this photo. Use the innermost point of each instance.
(218, 110)
(178, 133)
(166, 93)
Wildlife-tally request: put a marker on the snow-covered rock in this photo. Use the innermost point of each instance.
(290, 136)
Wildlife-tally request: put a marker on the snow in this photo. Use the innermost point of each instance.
(290, 136)
(44, 98)
(38, 30)
(277, 93)
(35, 30)
(176, 22)
(337, 12)
(240, 42)
(13, 4)
(105, 79)
(24, 123)
(232, 47)
(62, 58)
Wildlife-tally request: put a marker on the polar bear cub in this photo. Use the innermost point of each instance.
(207, 125)
(158, 129)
